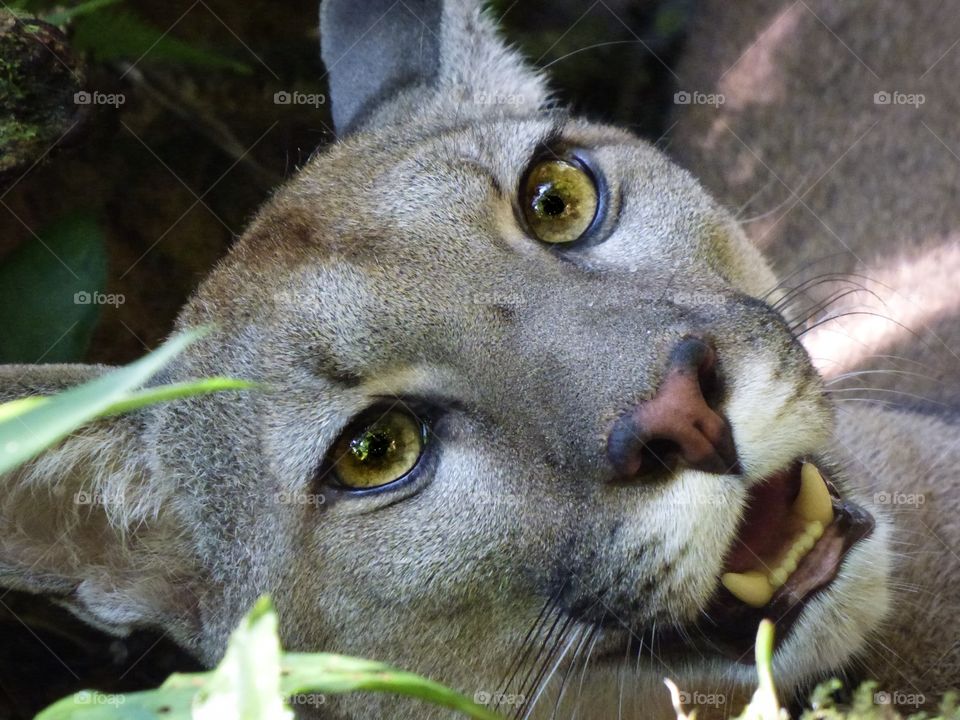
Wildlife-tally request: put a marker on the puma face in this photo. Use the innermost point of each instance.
(538, 435)
(531, 420)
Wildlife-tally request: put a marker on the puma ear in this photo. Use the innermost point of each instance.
(88, 525)
(387, 60)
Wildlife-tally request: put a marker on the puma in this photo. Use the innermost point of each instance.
(535, 422)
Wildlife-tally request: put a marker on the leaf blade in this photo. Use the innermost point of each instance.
(30, 432)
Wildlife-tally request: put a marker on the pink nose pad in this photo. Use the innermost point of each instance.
(677, 426)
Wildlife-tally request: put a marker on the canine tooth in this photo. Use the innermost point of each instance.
(813, 503)
(750, 587)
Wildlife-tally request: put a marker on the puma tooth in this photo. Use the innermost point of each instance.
(778, 577)
(750, 587)
(814, 502)
(815, 507)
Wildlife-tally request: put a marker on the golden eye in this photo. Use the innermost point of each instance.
(374, 454)
(559, 200)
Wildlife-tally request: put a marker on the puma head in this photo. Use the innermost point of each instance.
(531, 416)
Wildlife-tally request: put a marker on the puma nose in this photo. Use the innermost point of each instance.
(677, 425)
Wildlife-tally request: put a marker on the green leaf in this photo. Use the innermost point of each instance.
(31, 431)
(764, 704)
(17, 407)
(327, 673)
(174, 391)
(62, 17)
(121, 35)
(47, 288)
(246, 683)
(252, 680)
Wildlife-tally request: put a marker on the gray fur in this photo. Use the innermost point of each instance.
(393, 266)
(375, 48)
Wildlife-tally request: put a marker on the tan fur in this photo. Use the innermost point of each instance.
(393, 266)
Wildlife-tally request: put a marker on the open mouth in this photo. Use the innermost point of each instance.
(789, 547)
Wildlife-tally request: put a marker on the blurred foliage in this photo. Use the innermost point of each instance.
(48, 290)
(120, 34)
(39, 75)
(867, 703)
(256, 676)
(252, 680)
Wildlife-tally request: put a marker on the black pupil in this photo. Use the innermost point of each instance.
(372, 446)
(552, 204)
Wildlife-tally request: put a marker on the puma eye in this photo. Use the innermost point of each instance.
(378, 451)
(559, 199)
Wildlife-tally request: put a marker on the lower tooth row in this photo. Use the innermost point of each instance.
(801, 546)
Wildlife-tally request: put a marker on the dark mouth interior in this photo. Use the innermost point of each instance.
(769, 524)
(766, 529)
